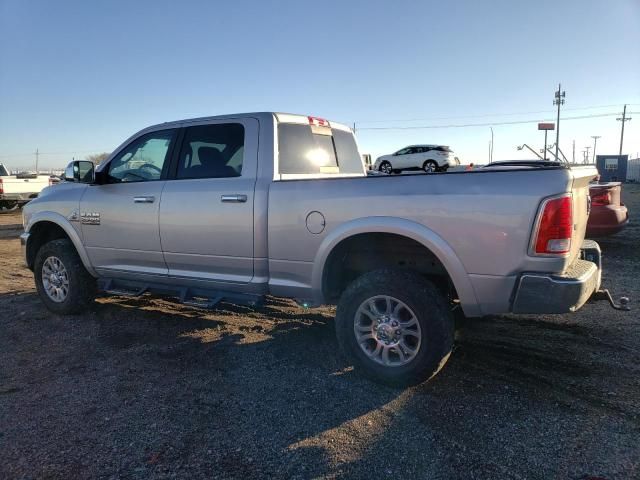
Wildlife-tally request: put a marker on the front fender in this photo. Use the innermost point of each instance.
(72, 233)
(406, 228)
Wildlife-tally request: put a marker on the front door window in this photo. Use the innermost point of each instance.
(143, 160)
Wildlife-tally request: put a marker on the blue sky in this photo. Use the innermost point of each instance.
(79, 77)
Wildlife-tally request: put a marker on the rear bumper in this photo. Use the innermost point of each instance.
(560, 293)
(18, 197)
(607, 220)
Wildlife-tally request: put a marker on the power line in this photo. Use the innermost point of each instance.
(57, 153)
(485, 115)
(486, 124)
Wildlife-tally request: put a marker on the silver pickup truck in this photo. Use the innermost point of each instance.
(237, 207)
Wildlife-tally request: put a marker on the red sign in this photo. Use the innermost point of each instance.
(546, 126)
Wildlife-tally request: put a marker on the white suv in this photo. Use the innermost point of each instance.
(430, 158)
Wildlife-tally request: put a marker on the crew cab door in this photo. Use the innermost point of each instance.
(206, 213)
(119, 216)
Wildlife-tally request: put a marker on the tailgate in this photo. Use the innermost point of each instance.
(582, 177)
(24, 185)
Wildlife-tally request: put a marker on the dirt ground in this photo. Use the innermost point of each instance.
(149, 389)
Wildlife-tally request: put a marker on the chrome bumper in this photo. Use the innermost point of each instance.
(24, 238)
(18, 197)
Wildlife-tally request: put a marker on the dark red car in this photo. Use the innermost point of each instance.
(608, 214)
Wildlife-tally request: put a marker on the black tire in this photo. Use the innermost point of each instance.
(430, 166)
(7, 207)
(81, 285)
(430, 308)
(385, 167)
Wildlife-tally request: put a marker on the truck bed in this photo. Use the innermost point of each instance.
(483, 218)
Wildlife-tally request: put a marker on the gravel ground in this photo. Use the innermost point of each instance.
(9, 218)
(148, 389)
(10, 224)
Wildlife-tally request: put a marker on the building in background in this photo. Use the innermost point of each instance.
(633, 170)
(612, 168)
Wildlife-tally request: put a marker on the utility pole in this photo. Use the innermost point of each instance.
(586, 157)
(574, 152)
(37, 155)
(558, 100)
(595, 141)
(623, 119)
(491, 150)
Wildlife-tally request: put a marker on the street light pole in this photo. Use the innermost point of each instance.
(595, 141)
(558, 100)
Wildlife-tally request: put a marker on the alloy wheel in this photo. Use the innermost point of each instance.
(387, 331)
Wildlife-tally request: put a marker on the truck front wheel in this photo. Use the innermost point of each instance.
(8, 206)
(62, 282)
(395, 326)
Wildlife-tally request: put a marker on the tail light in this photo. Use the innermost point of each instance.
(601, 198)
(1, 187)
(554, 227)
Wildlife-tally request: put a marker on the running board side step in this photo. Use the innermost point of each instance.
(192, 296)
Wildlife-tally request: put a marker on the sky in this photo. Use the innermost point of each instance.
(79, 77)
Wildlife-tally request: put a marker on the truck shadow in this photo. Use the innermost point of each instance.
(235, 385)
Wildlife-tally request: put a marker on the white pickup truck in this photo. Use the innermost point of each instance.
(16, 190)
(240, 206)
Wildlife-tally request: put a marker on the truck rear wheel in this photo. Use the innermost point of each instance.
(62, 282)
(395, 326)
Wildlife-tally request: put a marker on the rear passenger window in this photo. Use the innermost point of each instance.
(212, 151)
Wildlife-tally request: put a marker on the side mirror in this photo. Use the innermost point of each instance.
(80, 171)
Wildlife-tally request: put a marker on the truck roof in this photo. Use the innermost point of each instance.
(281, 117)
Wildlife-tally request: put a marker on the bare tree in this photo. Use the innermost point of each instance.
(98, 158)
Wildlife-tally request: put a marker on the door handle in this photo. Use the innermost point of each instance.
(233, 198)
(149, 199)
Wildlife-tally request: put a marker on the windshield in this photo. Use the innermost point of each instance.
(3, 171)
